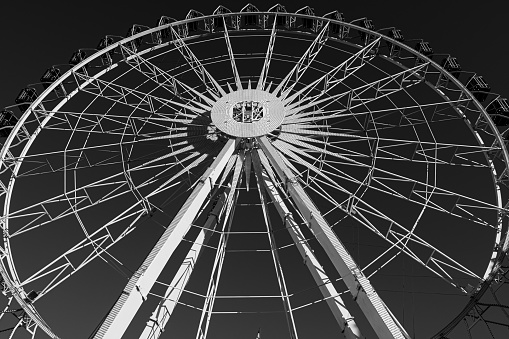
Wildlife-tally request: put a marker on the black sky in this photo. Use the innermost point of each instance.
(37, 35)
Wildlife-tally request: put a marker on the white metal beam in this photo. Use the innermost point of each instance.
(157, 322)
(138, 287)
(378, 315)
(331, 296)
(268, 57)
(208, 80)
(235, 71)
(290, 319)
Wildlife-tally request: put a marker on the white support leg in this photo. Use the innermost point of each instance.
(217, 267)
(331, 296)
(380, 318)
(157, 322)
(285, 296)
(140, 284)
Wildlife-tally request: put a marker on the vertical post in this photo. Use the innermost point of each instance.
(140, 284)
(380, 318)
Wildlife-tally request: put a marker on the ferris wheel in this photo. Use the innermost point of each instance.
(255, 171)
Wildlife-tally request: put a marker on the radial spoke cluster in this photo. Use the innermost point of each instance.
(181, 180)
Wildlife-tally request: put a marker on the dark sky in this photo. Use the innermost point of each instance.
(38, 35)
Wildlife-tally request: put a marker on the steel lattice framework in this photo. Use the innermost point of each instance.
(166, 165)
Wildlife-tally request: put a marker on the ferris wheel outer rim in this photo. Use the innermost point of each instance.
(502, 250)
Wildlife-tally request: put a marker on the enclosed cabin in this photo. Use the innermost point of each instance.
(478, 87)
(50, 76)
(425, 49)
(7, 122)
(25, 98)
(306, 24)
(336, 29)
(106, 58)
(195, 26)
(498, 110)
(250, 20)
(134, 44)
(78, 57)
(451, 65)
(394, 49)
(368, 24)
(163, 34)
(218, 23)
(282, 19)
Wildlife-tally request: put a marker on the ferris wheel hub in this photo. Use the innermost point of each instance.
(248, 113)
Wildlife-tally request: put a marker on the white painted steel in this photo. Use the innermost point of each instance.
(138, 287)
(364, 294)
(333, 299)
(160, 317)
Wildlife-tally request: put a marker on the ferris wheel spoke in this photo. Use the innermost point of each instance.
(415, 109)
(268, 57)
(399, 238)
(169, 82)
(451, 207)
(342, 115)
(316, 130)
(328, 81)
(155, 118)
(441, 265)
(364, 94)
(69, 204)
(406, 241)
(82, 158)
(235, 71)
(208, 81)
(77, 198)
(303, 64)
(94, 245)
(137, 99)
(427, 156)
(398, 242)
(168, 184)
(345, 152)
(306, 146)
(419, 151)
(420, 186)
(292, 153)
(76, 122)
(415, 197)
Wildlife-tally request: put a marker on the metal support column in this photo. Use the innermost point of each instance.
(331, 296)
(378, 315)
(140, 284)
(157, 322)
